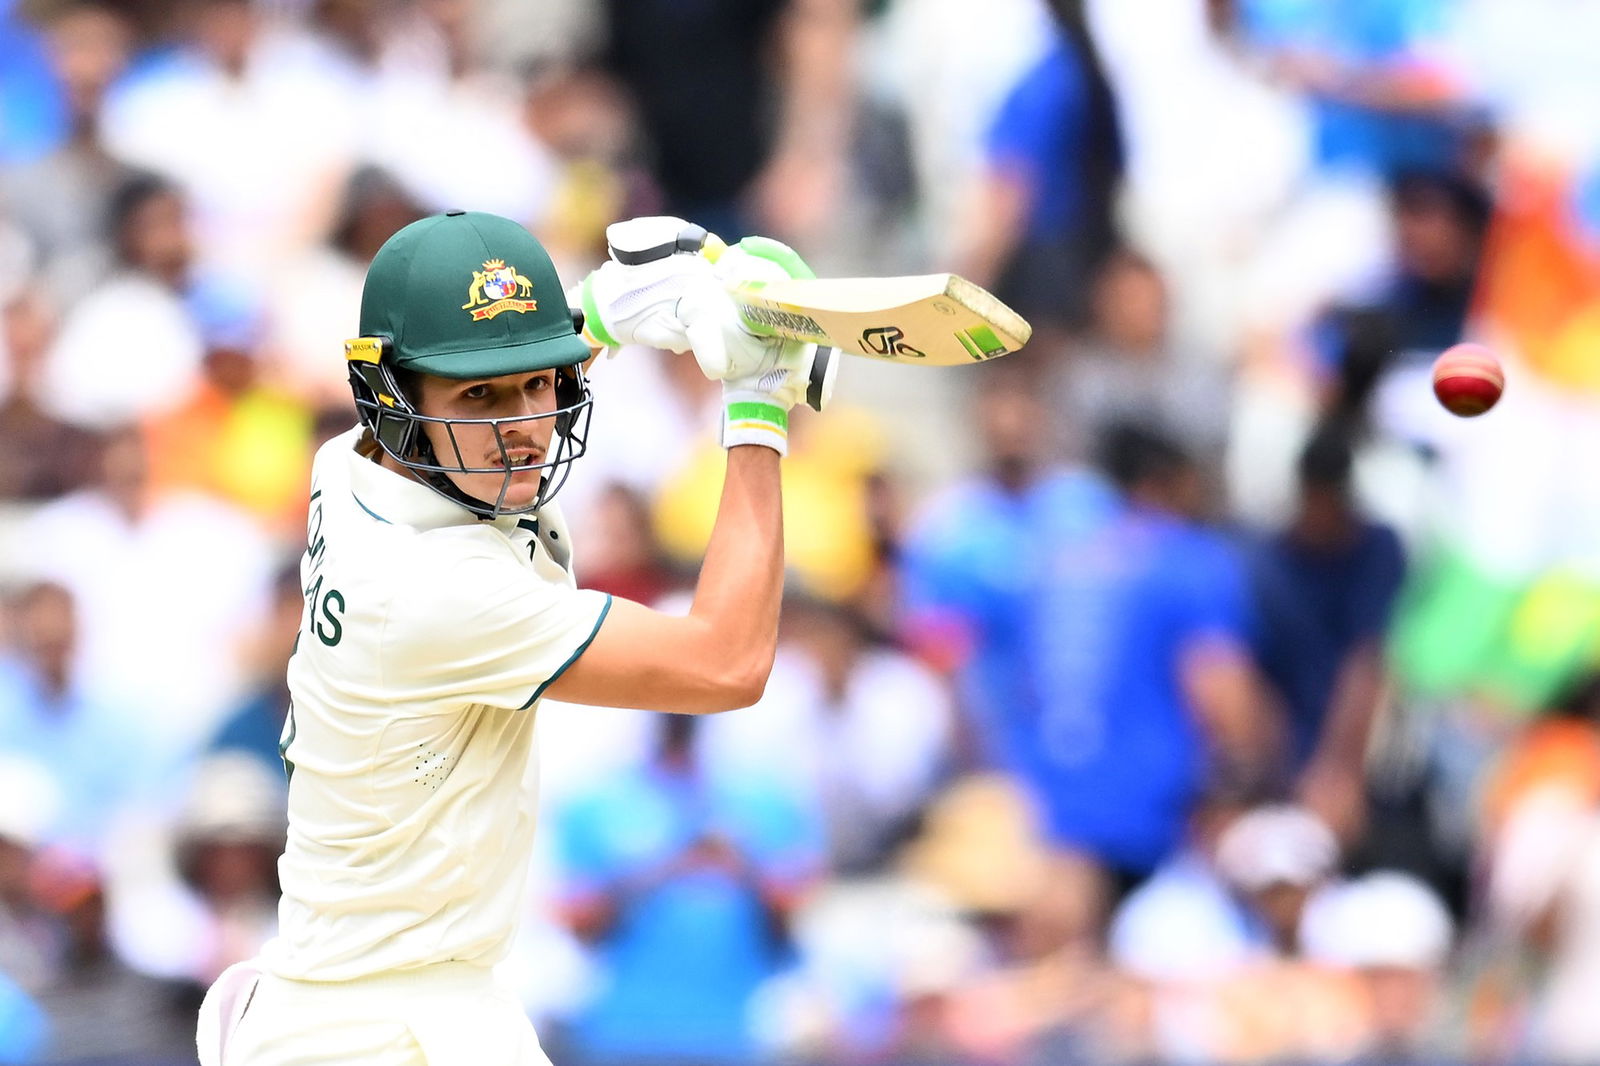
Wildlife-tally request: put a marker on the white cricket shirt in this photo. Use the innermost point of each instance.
(428, 636)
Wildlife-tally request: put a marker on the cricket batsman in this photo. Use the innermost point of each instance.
(440, 608)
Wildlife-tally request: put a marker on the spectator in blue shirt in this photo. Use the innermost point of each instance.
(1382, 103)
(22, 1025)
(1325, 588)
(1122, 629)
(1420, 307)
(682, 884)
(256, 724)
(59, 194)
(87, 747)
(971, 555)
(1041, 220)
(32, 108)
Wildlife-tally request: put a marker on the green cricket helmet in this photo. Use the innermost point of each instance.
(466, 295)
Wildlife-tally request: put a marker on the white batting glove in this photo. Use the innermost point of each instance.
(777, 373)
(722, 345)
(755, 409)
(636, 302)
(660, 288)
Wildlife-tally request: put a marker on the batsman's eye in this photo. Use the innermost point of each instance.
(476, 392)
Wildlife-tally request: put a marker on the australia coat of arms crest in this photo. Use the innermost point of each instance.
(496, 288)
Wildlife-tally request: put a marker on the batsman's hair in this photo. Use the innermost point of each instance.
(409, 382)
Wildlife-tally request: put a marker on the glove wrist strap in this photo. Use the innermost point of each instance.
(752, 418)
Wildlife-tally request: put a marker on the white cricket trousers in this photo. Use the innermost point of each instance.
(451, 1014)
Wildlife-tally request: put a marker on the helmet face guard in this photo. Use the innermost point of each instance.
(398, 426)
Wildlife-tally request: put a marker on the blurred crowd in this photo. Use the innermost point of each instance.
(1188, 687)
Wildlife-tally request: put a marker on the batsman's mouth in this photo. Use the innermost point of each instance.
(519, 458)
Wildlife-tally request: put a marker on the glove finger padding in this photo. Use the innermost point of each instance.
(760, 259)
(637, 304)
(650, 237)
(721, 345)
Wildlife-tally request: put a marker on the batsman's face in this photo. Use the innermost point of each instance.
(518, 400)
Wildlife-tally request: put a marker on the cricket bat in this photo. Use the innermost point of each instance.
(925, 319)
(928, 319)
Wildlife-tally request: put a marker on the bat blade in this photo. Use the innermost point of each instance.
(929, 319)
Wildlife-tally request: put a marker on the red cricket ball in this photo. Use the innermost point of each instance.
(1468, 380)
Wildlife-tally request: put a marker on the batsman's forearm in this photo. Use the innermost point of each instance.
(741, 581)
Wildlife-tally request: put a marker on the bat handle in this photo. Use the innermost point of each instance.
(713, 247)
(645, 240)
(822, 373)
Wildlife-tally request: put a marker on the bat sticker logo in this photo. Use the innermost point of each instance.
(776, 319)
(886, 341)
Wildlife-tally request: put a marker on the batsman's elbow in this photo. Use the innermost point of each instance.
(640, 658)
(741, 685)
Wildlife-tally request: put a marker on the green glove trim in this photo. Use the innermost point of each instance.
(750, 411)
(591, 315)
(780, 253)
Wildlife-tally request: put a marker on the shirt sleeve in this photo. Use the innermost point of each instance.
(481, 627)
